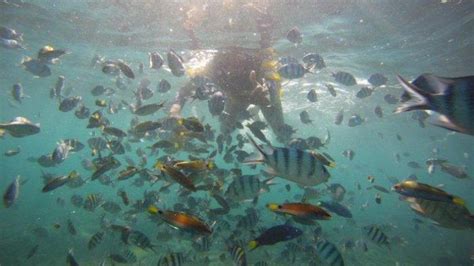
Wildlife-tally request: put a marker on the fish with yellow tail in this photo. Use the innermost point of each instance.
(410, 188)
(181, 220)
(296, 165)
(275, 235)
(300, 210)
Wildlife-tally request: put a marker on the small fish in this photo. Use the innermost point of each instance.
(371, 179)
(349, 154)
(337, 208)
(17, 92)
(164, 86)
(61, 152)
(238, 256)
(294, 36)
(331, 90)
(312, 96)
(127, 173)
(123, 195)
(118, 258)
(95, 240)
(378, 111)
(50, 55)
(364, 92)
(192, 124)
(36, 67)
(11, 44)
(375, 234)
(125, 69)
(11, 193)
(424, 191)
(377, 79)
(329, 253)
(175, 63)
(70, 260)
(304, 117)
(390, 99)
(32, 252)
(172, 259)
(181, 220)
(82, 112)
(148, 109)
(111, 207)
(195, 165)
(12, 152)
(355, 120)
(92, 201)
(378, 198)
(116, 132)
(315, 60)
(274, 235)
(339, 117)
(300, 210)
(430, 92)
(247, 187)
(98, 90)
(71, 228)
(344, 78)
(69, 103)
(176, 175)
(155, 60)
(292, 71)
(140, 240)
(10, 34)
(454, 170)
(59, 181)
(216, 103)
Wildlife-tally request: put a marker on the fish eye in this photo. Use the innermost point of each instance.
(279, 206)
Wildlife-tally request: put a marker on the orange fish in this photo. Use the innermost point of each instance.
(181, 220)
(300, 210)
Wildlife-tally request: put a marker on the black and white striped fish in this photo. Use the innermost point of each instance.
(344, 78)
(172, 259)
(238, 256)
(246, 187)
(377, 79)
(292, 71)
(452, 98)
(95, 240)
(364, 92)
(299, 166)
(375, 234)
(329, 253)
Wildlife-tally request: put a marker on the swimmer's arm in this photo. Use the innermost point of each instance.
(184, 93)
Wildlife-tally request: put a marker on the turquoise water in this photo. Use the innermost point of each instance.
(361, 37)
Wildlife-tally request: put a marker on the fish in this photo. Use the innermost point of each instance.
(125, 69)
(140, 240)
(315, 60)
(17, 92)
(304, 117)
(20, 127)
(329, 253)
(71, 228)
(238, 255)
(419, 190)
(344, 78)
(61, 152)
(176, 175)
(12, 152)
(175, 63)
(70, 260)
(355, 120)
(59, 181)
(10, 34)
(349, 154)
(339, 117)
(127, 173)
(390, 98)
(95, 240)
(375, 234)
(337, 192)
(312, 96)
(50, 55)
(36, 67)
(111, 207)
(32, 252)
(216, 103)
(331, 90)
(294, 36)
(380, 188)
(116, 132)
(336, 207)
(156, 61)
(92, 201)
(249, 220)
(107, 165)
(164, 86)
(247, 187)
(378, 198)
(69, 103)
(148, 109)
(454, 170)
(300, 210)
(172, 259)
(12, 193)
(377, 79)
(192, 124)
(11, 44)
(123, 195)
(364, 92)
(378, 111)
(450, 97)
(275, 235)
(299, 166)
(82, 112)
(181, 220)
(116, 147)
(98, 90)
(195, 165)
(292, 71)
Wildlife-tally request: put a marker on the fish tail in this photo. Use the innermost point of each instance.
(259, 159)
(422, 99)
(253, 244)
(458, 201)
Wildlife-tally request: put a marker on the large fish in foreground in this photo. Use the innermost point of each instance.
(300, 166)
(452, 98)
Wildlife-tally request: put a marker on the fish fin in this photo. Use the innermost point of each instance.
(271, 171)
(444, 122)
(417, 208)
(421, 101)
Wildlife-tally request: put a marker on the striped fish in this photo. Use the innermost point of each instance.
(172, 259)
(292, 71)
(445, 214)
(140, 240)
(92, 202)
(377, 79)
(364, 92)
(344, 78)
(453, 98)
(329, 253)
(299, 166)
(71, 228)
(249, 220)
(375, 234)
(95, 240)
(238, 256)
(246, 187)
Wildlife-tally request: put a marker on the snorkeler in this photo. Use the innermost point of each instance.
(245, 77)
